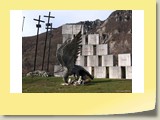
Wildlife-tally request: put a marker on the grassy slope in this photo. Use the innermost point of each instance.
(53, 85)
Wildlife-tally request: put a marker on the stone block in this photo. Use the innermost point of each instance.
(124, 59)
(72, 29)
(67, 37)
(92, 60)
(107, 60)
(77, 29)
(129, 72)
(93, 39)
(102, 49)
(115, 72)
(80, 61)
(67, 29)
(57, 71)
(83, 39)
(87, 50)
(100, 72)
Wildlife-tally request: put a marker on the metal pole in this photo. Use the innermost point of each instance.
(48, 24)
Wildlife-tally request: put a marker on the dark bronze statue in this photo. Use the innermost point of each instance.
(67, 55)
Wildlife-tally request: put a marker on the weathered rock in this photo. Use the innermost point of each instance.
(37, 73)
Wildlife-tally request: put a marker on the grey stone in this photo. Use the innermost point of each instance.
(92, 60)
(57, 71)
(72, 29)
(58, 46)
(37, 73)
(107, 60)
(67, 29)
(77, 29)
(67, 36)
(102, 49)
(93, 39)
(87, 50)
(115, 72)
(100, 72)
(83, 39)
(129, 72)
(124, 59)
(80, 61)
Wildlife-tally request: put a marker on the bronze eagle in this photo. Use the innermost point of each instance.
(67, 55)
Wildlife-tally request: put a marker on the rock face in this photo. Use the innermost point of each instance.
(91, 26)
(116, 31)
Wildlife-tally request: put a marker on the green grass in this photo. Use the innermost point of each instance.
(53, 85)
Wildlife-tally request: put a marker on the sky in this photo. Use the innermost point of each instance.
(61, 17)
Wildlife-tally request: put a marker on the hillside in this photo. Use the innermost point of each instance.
(28, 50)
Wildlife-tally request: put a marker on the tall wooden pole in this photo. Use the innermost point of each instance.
(51, 35)
(47, 24)
(38, 26)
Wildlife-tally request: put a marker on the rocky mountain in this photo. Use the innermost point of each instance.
(116, 31)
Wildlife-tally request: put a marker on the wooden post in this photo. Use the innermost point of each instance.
(38, 26)
(51, 35)
(47, 24)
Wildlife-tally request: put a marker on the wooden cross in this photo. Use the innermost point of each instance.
(47, 24)
(38, 26)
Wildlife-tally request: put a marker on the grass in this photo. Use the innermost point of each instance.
(53, 85)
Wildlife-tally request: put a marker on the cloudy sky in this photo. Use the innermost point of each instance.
(61, 17)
